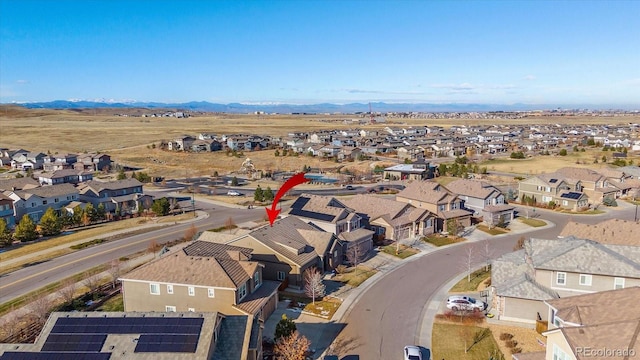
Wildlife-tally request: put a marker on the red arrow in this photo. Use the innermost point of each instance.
(296, 179)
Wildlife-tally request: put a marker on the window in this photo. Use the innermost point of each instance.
(192, 310)
(169, 308)
(55, 200)
(441, 207)
(618, 283)
(281, 275)
(429, 223)
(44, 202)
(585, 280)
(154, 289)
(561, 278)
(211, 293)
(169, 289)
(256, 280)
(242, 291)
(565, 203)
(192, 291)
(555, 319)
(558, 354)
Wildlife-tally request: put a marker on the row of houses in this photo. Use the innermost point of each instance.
(576, 188)
(421, 141)
(26, 196)
(21, 159)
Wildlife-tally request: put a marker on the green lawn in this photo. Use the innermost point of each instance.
(439, 240)
(116, 303)
(404, 253)
(532, 222)
(477, 277)
(492, 231)
(449, 341)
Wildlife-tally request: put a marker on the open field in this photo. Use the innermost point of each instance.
(127, 139)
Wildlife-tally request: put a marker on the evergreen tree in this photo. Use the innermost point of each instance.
(234, 181)
(268, 194)
(161, 207)
(121, 175)
(90, 213)
(50, 225)
(78, 213)
(101, 212)
(5, 233)
(258, 195)
(284, 327)
(26, 230)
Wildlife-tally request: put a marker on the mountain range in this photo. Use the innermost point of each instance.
(204, 106)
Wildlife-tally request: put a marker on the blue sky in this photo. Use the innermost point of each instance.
(305, 52)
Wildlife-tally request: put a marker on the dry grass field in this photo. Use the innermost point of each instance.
(127, 139)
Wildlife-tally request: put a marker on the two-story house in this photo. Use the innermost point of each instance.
(390, 219)
(6, 210)
(483, 199)
(93, 162)
(331, 215)
(120, 196)
(546, 188)
(30, 160)
(601, 325)
(550, 269)
(290, 247)
(437, 199)
(203, 276)
(593, 184)
(418, 170)
(60, 162)
(34, 202)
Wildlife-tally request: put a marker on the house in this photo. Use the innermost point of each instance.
(550, 269)
(7, 211)
(182, 143)
(31, 160)
(331, 215)
(483, 199)
(93, 162)
(60, 162)
(612, 231)
(18, 184)
(67, 176)
(552, 188)
(390, 219)
(437, 199)
(143, 335)
(34, 202)
(119, 197)
(600, 326)
(290, 247)
(417, 170)
(593, 184)
(204, 276)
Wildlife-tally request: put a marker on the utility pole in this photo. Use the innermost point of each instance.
(635, 218)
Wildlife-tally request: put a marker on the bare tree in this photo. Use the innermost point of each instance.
(229, 224)
(114, 270)
(487, 254)
(68, 290)
(9, 325)
(40, 308)
(520, 244)
(467, 261)
(153, 247)
(91, 281)
(313, 286)
(190, 233)
(355, 255)
(292, 347)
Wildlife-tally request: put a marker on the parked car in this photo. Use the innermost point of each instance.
(233, 193)
(349, 187)
(412, 353)
(331, 357)
(465, 303)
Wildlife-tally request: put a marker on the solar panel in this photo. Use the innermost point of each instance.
(167, 343)
(72, 342)
(23, 355)
(553, 181)
(571, 195)
(171, 325)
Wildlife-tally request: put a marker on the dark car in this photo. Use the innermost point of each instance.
(349, 187)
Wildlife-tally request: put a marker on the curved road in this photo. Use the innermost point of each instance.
(388, 315)
(34, 277)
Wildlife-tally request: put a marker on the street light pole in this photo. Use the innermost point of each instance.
(635, 218)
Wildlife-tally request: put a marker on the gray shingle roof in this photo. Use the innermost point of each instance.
(230, 343)
(525, 287)
(472, 188)
(49, 191)
(99, 186)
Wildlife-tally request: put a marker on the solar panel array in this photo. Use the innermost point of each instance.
(553, 181)
(79, 335)
(24, 355)
(571, 195)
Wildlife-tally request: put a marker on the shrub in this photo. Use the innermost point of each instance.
(511, 343)
(506, 336)
(341, 269)
(516, 350)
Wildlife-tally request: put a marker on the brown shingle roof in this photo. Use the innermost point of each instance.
(18, 183)
(48, 191)
(612, 231)
(472, 188)
(427, 191)
(284, 238)
(579, 174)
(598, 308)
(374, 206)
(180, 268)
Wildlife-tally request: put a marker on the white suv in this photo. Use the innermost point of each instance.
(466, 303)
